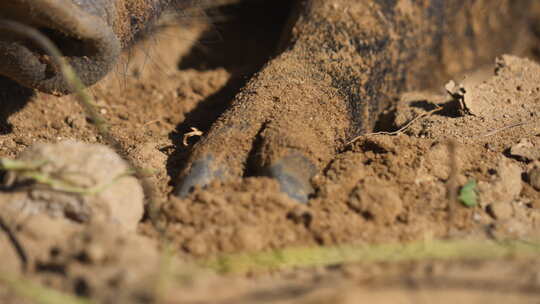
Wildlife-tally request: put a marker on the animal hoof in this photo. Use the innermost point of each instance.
(201, 173)
(293, 174)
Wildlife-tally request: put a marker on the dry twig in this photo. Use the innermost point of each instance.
(493, 132)
(402, 129)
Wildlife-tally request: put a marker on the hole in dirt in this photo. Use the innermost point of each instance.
(241, 44)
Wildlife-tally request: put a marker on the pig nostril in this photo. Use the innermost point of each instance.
(25, 54)
(69, 46)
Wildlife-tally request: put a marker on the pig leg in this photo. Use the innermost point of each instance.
(344, 60)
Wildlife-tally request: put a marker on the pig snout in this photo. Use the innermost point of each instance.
(89, 33)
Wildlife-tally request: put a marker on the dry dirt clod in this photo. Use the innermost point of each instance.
(377, 202)
(535, 204)
(79, 181)
(488, 98)
(500, 211)
(534, 178)
(505, 187)
(509, 229)
(525, 150)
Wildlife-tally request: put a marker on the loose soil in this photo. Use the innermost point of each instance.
(384, 187)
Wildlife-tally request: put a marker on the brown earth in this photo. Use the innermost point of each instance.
(384, 187)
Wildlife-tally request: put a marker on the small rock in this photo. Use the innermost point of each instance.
(150, 156)
(197, 246)
(25, 141)
(500, 211)
(96, 253)
(90, 183)
(505, 187)
(75, 122)
(535, 204)
(510, 229)
(9, 144)
(249, 238)
(534, 178)
(524, 149)
(57, 125)
(301, 215)
(377, 202)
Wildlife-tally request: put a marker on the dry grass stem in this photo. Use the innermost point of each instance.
(402, 129)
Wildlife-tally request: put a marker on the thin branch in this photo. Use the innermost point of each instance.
(402, 129)
(493, 132)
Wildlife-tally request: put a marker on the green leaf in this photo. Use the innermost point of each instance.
(467, 194)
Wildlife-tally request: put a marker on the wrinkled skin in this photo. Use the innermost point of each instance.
(341, 62)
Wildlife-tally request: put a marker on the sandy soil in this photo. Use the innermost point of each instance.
(385, 187)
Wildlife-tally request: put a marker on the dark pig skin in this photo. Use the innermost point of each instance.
(340, 63)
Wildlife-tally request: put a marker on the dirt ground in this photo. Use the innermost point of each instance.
(395, 185)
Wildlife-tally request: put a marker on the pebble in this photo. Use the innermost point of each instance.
(534, 178)
(75, 122)
(119, 198)
(506, 186)
(57, 125)
(9, 144)
(500, 211)
(525, 149)
(379, 202)
(25, 141)
(535, 204)
(508, 229)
